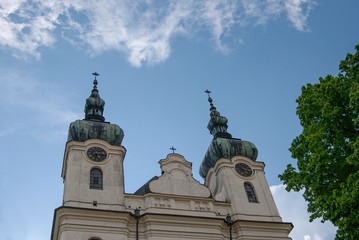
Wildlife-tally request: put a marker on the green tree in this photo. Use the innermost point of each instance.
(327, 150)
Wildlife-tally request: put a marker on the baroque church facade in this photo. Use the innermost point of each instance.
(233, 203)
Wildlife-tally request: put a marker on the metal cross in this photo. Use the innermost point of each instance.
(208, 92)
(173, 149)
(95, 74)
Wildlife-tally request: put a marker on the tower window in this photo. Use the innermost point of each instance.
(96, 179)
(251, 195)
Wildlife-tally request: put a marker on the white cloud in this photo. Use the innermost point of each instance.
(143, 30)
(293, 208)
(28, 106)
(298, 12)
(25, 27)
(219, 16)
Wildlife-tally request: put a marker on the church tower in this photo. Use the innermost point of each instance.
(93, 161)
(92, 169)
(232, 173)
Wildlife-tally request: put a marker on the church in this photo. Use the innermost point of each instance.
(233, 203)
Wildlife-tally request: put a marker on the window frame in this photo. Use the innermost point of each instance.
(96, 178)
(250, 192)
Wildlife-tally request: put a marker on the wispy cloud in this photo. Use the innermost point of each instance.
(27, 106)
(25, 26)
(298, 12)
(143, 30)
(293, 208)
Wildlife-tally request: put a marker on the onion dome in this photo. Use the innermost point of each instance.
(223, 145)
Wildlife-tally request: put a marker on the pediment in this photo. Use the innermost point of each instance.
(177, 178)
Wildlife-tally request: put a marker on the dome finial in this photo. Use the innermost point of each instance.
(94, 104)
(217, 125)
(213, 109)
(210, 100)
(95, 80)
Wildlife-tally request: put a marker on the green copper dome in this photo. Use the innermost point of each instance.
(223, 145)
(94, 125)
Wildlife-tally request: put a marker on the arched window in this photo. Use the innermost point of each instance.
(251, 195)
(95, 238)
(96, 178)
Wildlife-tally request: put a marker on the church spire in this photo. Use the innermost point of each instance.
(94, 104)
(223, 145)
(94, 125)
(217, 125)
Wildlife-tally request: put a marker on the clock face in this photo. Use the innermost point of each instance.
(243, 169)
(97, 154)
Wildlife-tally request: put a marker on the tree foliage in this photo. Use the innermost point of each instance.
(327, 150)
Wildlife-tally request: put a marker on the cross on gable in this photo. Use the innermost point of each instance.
(173, 149)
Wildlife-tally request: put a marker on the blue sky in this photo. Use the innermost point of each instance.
(156, 58)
